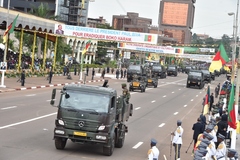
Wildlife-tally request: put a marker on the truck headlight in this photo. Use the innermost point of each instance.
(59, 131)
(61, 122)
(101, 137)
(101, 128)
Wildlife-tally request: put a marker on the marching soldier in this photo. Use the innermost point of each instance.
(177, 139)
(126, 93)
(221, 149)
(153, 153)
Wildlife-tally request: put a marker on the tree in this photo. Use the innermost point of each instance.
(62, 49)
(104, 46)
(209, 41)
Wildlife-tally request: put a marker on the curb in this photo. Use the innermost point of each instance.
(49, 85)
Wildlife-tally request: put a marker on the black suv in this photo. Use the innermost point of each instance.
(187, 69)
(172, 70)
(159, 70)
(207, 76)
(195, 78)
(134, 69)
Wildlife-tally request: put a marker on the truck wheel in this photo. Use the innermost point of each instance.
(141, 90)
(60, 143)
(120, 141)
(108, 151)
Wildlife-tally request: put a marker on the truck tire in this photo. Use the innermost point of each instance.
(108, 151)
(60, 143)
(120, 141)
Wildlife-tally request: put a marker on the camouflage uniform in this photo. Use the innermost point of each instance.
(126, 94)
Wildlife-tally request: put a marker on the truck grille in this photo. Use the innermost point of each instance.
(81, 124)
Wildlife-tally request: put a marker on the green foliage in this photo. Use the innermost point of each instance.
(62, 49)
(43, 11)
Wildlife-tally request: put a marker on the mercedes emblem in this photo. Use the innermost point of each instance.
(81, 123)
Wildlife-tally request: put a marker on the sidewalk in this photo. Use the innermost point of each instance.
(42, 82)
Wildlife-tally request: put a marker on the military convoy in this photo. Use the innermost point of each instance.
(172, 70)
(138, 83)
(91, 114)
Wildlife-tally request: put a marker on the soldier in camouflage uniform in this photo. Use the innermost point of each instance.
(126, 94)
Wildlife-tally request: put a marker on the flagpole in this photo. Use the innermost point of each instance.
(234, 133)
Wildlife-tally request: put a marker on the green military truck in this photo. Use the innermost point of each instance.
(91, 114)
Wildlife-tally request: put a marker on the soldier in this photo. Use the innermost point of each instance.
(177, 139)
(153, 153)
(211, 147)
(221, 149)
(232, 154)
(126, 93)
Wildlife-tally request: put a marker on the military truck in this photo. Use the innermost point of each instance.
(91, 114)
(138, 83)
(195, 78)
(134, 69)
(207, 76)
(159, 70)
(172, 70)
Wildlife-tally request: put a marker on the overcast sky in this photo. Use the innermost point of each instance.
(211, 16)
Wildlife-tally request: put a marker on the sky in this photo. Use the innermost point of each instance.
(211, 16)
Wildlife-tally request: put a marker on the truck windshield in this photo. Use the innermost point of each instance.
(157, 68)
(198, 74)
(133, 67)
(171, 67)
(85, 101)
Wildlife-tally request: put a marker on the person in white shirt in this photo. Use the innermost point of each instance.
(153, 153)
(221, 148)
(177, 139)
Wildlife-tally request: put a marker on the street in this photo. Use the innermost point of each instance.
(27, 121)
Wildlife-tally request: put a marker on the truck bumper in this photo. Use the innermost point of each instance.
(81, 136)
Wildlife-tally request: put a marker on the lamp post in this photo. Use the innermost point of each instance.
(234, 134)
(235, 45)
(6, 47)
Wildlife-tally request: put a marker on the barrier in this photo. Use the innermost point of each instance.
(2, 79)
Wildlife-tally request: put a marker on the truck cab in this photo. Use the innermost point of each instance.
(195, 78)
(91, 114)
(132, 70)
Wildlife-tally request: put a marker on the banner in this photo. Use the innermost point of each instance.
(105, 34)
(151, 48)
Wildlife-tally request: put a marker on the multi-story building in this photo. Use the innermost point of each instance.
(71, 12)
(176, 19)
(130, 22)
(94, 22)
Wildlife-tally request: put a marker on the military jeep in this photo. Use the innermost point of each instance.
(138, 83)
(152, 80)
(195, 78)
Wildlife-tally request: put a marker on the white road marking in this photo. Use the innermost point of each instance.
(153, 101)
(175, 113)
(185, 106)
(200, 92)
(179, 89)
(8, 107)
(196, 95)
(164, 96)
(161, 125)
(31, 95)
(137, 108)
(45, 129)
(30, 120)
(164, 157)
(172, 92)
(137, 145)
(191, 99)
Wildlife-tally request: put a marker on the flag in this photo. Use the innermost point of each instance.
(86, 47)
(10, 29)
(231, 110)
(83, 3)
(207, 101)
(219, 59)
(172, 60)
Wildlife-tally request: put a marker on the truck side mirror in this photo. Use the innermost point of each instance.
(53, 96)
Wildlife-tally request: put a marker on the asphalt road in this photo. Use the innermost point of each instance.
(27, 123)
